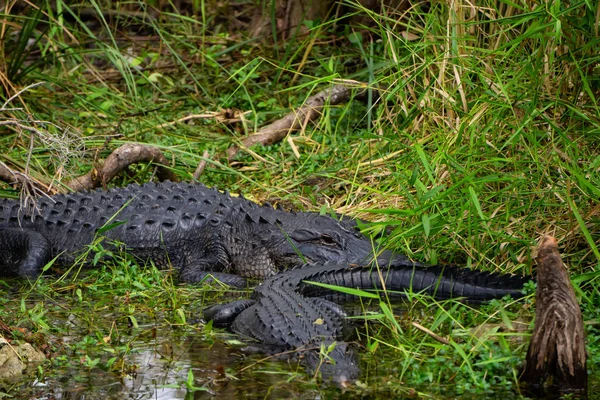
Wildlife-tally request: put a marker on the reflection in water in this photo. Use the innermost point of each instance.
(151, 361)
(159, 370)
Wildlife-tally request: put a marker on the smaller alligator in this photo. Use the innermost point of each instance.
(287, 312)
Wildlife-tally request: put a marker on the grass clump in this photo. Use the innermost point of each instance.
(483, 139)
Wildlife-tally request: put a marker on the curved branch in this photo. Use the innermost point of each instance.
(120, 159)
(298, 119)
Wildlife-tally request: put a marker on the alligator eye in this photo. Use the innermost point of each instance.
(327, 240)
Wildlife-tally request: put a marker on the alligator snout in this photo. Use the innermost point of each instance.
(335, 361)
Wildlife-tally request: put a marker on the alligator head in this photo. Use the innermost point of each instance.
(326, 240)
(339, 366)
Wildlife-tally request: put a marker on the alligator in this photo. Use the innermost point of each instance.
(200, 232)
(288, 312)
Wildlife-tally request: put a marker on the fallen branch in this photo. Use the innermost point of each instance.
(224, 116)
(13, 177)
(556, 358)
(120, 159)
(299, 118)
(117, 161)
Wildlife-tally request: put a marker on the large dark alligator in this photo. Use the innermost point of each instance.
(288, 313)
(197, 230)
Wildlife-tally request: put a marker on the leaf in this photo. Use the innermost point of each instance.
(49, 264)
(476, 203)
(181, 315)
(387, 311)
(433, 192)
(583, 227)
(106, 105)
(409, 36)
(330, 348)
(110, 226)
(355, 38)
(426, 224)
(155, 77)
(347, 290)
(190, 378)
(133, 321)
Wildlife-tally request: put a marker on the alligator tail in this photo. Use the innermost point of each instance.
(441, 282)
(450, 281)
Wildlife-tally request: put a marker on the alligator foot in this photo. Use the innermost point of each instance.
(24, 252)
(223, 315)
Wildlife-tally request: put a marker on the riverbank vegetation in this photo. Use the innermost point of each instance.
(479, 134)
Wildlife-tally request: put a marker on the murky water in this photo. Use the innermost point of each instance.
(162, 370)
(153, 360)
(161, 360)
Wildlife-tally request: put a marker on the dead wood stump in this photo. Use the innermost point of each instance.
(556, 358)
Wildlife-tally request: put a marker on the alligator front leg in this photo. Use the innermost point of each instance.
(204, 261)
(223, 315)
(23, 252)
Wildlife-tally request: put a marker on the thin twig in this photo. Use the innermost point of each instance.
(11, 98)
(430, 333)
(201, 165)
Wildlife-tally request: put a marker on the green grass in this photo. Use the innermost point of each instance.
(485, 138)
